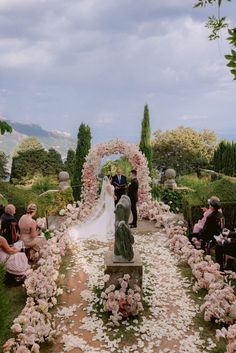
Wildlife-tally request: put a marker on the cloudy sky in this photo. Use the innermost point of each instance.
(100, 61)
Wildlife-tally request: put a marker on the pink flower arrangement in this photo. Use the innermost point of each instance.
(34, 325)
(121, 301)
(230, 335)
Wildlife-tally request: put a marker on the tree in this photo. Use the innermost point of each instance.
(28, 160)
(183, 149)
(3, 166)
(5, 127)
(70, 162)
(145, 142)
(218, 161)
(216, 24)
(82, 149)
(53, 163)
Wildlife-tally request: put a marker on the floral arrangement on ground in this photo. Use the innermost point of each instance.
(35, 323)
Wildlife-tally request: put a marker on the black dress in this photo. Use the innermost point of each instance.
(9, 228)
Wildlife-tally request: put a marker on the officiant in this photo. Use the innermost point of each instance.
(120, 183)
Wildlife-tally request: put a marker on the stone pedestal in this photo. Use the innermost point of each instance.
(119, 269)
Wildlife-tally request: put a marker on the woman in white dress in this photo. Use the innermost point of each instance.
(101, 224)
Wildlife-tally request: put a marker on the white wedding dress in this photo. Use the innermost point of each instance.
(101, 223)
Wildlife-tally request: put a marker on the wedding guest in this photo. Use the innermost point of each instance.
(15, 261)
(9, 227)
(225, 246)
(212, 226)
(120, 183)
(207, 211)
(32, 238)
(133, 195)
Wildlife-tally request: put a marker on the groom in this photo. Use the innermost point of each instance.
(133, 195)
(119, 182)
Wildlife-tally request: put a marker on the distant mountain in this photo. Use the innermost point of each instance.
(59, 140)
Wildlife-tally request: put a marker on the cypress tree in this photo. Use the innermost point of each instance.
(145, 142)
(82, 149)
(70, 162)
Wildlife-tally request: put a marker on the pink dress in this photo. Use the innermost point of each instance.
(17, 263)
(200, 224)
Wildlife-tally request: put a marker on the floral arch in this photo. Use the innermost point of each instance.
(93, 162)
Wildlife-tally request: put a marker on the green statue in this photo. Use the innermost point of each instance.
(124, 240)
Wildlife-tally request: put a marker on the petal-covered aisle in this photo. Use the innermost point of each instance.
(165, 327)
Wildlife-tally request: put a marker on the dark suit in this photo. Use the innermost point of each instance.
(120, 186)
(133, 195)
(227, 248)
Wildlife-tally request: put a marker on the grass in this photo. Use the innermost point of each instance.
(14, 303)
(208, 327)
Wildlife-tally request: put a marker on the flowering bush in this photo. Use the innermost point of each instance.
(120, 300)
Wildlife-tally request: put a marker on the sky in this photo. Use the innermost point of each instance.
(63, 62)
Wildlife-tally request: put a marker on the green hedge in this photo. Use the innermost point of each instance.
(173, 198)
(50, 203)
(18, 197)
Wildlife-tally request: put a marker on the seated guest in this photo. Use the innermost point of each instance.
(9, 226)
(207, 210)
(212, 226)
(226, 245)
(29, 234)
(15, 261)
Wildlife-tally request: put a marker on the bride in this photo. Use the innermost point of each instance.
(101, 223)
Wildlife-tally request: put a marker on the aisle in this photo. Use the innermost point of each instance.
(166, 328)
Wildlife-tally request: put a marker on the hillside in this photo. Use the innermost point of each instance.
(59, 140)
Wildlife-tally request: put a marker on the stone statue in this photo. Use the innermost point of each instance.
(64, 180)
(124, 240)
(170, 182)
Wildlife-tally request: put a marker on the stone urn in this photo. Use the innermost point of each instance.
(64, 180)
(170, 182)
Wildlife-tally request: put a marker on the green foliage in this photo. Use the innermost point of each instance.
(43, 184)
(19, 197)
(224, 188)
(183, 149)
(224, 159)
(216, 25)
(12, 301)
(52, 202)
(3, 166)
(28, 144)
(4, 305)
(31, 159)
(145, 142)
(53, 163)
(173, 198)
(70, 162)
(83, 147)
(110, 167)
(5, 127)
